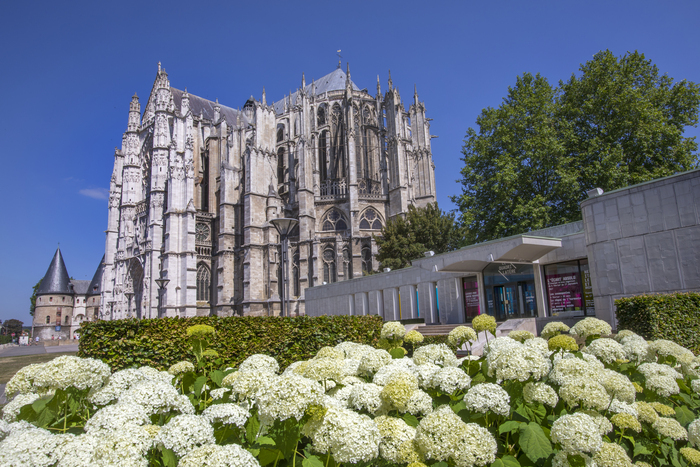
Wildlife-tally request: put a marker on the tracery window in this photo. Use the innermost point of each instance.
(295, 274)
(323, 155)
(321, 116)
(336, 168)
(280, 134)
(280, 165)
(333, 220)
(366, 260)
(329, 265)
(370, 220)
(203, 282)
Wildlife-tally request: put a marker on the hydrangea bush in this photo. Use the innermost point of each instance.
(526, 402)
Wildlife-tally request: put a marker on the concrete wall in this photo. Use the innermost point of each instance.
(643, 239)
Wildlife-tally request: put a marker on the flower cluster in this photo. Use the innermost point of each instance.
(606, 350)
(180, 368)
(591, 327)
(521, 336)
(460, 336)
(393, 330)
(413, 337)
(484, 323)
(488, 397)
(438, 354)
(553, 328)
(576, 433)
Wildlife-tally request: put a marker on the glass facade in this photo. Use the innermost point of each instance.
(510, 290)
(569, 288)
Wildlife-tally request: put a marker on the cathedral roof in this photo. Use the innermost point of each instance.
(333, 81)
(56, 279)
(80, 287)
(205, 107)
(95, 286)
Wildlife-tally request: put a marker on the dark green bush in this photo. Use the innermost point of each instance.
(674, 317)
(163, 342)
(5, 339)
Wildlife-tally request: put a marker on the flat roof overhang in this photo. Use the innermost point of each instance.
(474, 258)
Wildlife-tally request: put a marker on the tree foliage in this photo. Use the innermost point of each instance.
(32, 299)
(423, 229)
(12, 325)
(533, 159)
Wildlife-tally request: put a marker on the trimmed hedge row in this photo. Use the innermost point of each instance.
(674, 317)
(162, 342)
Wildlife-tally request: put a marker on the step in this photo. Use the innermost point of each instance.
(437, 329)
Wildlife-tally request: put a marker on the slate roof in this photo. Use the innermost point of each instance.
(205, 107)
(80, 287)
(333, 81)
(95, 287)
(56, 279)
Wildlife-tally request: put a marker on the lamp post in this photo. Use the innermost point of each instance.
(128, 309)
(284, 226)
(162, 282)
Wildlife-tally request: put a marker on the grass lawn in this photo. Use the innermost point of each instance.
(10, 365)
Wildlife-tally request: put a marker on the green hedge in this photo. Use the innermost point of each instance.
(5, 339)
(163, 342)
(674, 317)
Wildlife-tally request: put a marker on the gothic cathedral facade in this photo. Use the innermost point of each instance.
(195, 185)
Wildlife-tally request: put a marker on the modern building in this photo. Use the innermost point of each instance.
(196, 184)
(63, 303)
(640, 239)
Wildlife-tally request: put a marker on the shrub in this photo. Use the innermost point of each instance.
(673, 316)
(163, 342)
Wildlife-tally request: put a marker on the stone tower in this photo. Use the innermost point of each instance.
(196, 183)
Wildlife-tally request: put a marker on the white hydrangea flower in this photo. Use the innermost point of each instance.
(612, 455)
(624, 333)
(212, 455)
(496, 347)
(425, 373)
(460, 336)
(397, 445)
(184, 432)
(341, 395)
(349, 436)
(670, 428)
(322, 369)
(569, 369)
(123, 447)
(330, 352)
(450, 379)
(121, 381)
(351, 366)
(350, 380)
(181, 367)
(540, 392)
(618, 385)
(694, 433)
(553, 328)
(113, 417)
(561, 459)
(488, 397)
(21, 382)
(695, 386)
(590, 327)
(660, 378)
(288, 396)
(420, 403)
(576, 432)
(618, 406)
(438, 354)
(27, 445)
(399, 389)
(442, 435)
(603, 424)
(519, 363)
(365, 397)
(540, 345)
(637, 349)
(372, 361)
(591, 359)
(691, 369)
(69, 371)
(382, 376)
(12, 408)
(228, 414)
(219, 393)
(258, 363)
(587, 393)
(393, 330)
(157, 397)
(666, 348)
(247, 384)
(606, 350)
(353, 350)
(79, 451)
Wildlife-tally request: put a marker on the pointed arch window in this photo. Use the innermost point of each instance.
(370, 220)
(295, 274)
(280, 133)
(280, 165)
(333, 221)
(321, 115)
(329, 265)
(203, 282)
(366, 260)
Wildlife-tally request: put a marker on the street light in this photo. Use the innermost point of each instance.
(162, 282)
(284, 226)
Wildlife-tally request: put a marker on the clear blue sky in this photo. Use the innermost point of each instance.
(68, 71)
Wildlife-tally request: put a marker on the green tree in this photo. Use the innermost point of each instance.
(32, 299)
(12, 325)
(423, 229)
(533, 159)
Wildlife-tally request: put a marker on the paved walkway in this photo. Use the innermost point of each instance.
(18, 350)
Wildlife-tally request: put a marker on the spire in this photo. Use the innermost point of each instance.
(303, 81)
(379, 87)
(95, 286)
(158, 67)
(134, 114)
(217, 110)
(185, 103)
(391, 83)
(56, 280)
(313, 87)
(347, 73)
(415, 94)
(264, 98)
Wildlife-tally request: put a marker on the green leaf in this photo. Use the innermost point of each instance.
(251, 428)
(509, 427)
(684, 415)
(199, 384)
(440, 464)
(169, 458)
(576, 460)
(217, 376)
(264, 440)
(534, 442)
(397, 352)
(458, 407)
(312, 461)
(506, 461)
(268, 456)
(410, 420)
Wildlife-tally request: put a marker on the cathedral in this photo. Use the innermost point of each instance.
(196, 184)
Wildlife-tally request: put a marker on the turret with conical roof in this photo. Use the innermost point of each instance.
(95, 287)
(56, 279)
